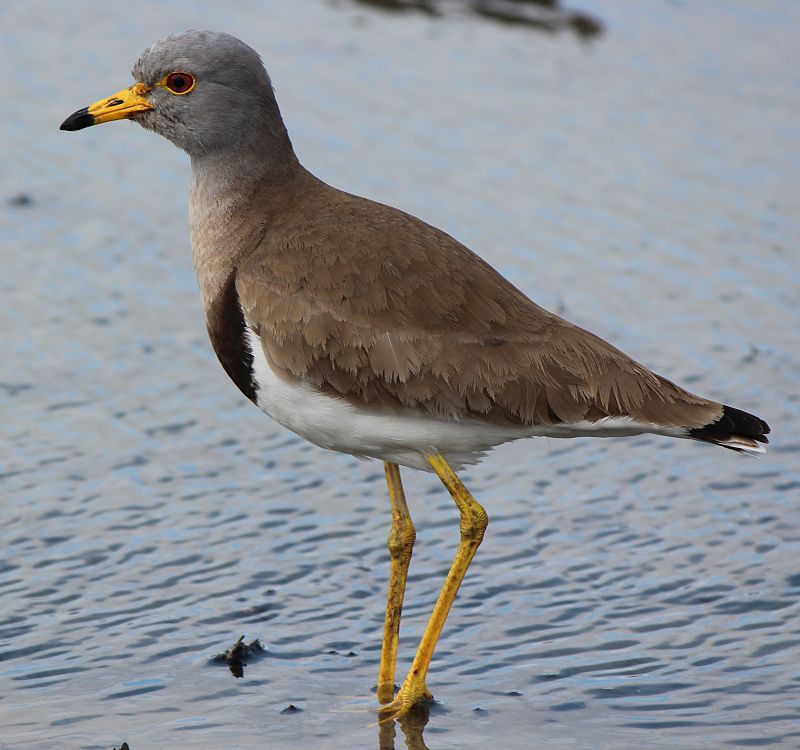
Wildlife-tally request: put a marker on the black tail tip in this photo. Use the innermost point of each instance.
(734, 429)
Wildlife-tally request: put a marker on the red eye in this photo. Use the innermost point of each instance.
(179, 83)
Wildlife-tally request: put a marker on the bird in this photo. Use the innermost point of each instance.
(367, 331)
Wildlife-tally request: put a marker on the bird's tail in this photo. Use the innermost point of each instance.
(735, 429)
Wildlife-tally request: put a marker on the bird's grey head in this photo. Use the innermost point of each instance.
(205, 91)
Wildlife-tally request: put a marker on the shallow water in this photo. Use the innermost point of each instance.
(630, 593)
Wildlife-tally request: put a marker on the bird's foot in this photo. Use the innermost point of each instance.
(410, 695)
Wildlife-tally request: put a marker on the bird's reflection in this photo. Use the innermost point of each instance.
(412, 725)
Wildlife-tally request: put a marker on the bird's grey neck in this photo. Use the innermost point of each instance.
(264, 158)
(229, 207)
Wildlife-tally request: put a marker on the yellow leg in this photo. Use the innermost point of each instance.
(473, 524)
(401, 544)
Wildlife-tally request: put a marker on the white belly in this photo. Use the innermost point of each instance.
(403, 436)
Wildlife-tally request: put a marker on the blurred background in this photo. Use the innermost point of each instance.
(633, 165)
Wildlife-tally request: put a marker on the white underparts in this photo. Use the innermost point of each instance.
(403, 436)
(741, 443)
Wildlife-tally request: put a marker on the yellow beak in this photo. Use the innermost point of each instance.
(122, 105)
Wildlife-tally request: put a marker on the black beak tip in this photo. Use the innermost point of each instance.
(78, 120)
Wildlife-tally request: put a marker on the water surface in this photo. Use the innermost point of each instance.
(630, 593)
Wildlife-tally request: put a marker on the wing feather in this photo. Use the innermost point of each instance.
(375, 306)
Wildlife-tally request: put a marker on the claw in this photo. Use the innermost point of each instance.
(403, 703)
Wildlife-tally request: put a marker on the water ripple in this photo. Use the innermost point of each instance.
(632, 593)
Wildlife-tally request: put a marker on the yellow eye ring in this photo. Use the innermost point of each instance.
(178, 82)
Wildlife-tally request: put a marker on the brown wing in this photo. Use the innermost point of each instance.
(376, 306)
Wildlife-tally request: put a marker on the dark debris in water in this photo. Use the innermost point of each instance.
(123, 746)
(12, 389)
(21, 200)
(238, 655)
(544, 15)
(291, 709)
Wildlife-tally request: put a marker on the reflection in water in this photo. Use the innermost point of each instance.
(544, 15)
(412, 725)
